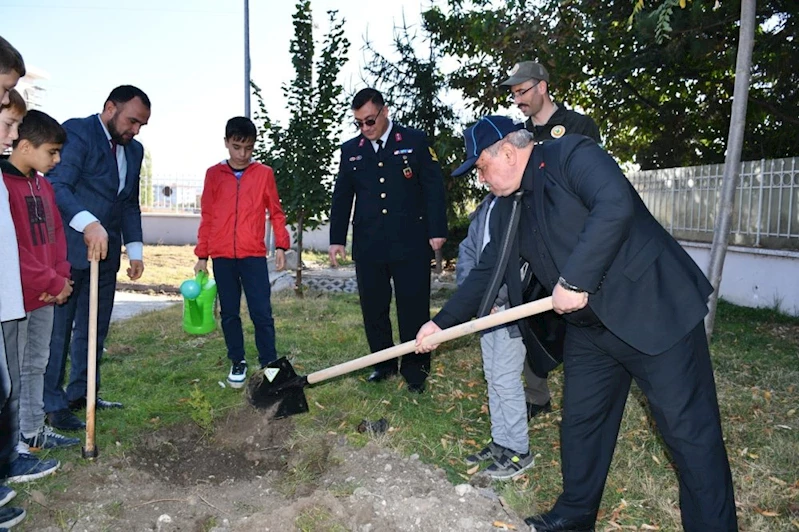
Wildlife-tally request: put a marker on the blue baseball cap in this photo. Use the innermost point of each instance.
(482, 134)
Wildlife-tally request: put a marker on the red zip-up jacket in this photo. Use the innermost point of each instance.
(40, 235)
(233, 215)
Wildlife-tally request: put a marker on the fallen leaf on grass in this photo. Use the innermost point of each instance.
(473, 470)
(320, 407)
(444, 443)
(38, 497)
(656, 459)
(503, 526)
(779, 481)
(766, 513)
(649, 527)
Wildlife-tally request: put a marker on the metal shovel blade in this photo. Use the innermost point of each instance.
(277, 386)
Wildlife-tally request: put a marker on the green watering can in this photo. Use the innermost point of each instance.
(199, 295)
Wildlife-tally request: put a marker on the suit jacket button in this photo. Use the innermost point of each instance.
(385, 211)
(383, 195)
(380, 164)
(382, 180)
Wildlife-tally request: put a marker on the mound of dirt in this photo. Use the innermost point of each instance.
(255, 474)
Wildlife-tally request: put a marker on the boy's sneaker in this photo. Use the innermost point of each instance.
(47, 438)
(27, 467)
(510, 465)
(6, 494)
(238, 374)
(490, 452)
(10, 517)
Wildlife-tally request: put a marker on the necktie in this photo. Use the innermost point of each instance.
(114, 148)
(379, 143)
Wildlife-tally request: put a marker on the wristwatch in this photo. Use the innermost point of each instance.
(570, 287)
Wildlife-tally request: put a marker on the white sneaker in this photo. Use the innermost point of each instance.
(237, 375)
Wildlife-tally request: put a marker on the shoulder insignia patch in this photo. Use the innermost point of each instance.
(557, 132)
(361, 143)
(398, 137)
(433, 154)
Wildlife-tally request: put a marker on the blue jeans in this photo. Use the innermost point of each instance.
(251, 274)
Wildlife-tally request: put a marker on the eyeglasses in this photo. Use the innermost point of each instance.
(369, 122)
(521, 92)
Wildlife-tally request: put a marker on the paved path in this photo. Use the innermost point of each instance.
(129, 304)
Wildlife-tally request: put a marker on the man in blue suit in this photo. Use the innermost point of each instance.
(97, 191)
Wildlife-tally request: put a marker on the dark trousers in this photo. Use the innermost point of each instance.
(681, 392)
(11, 408)
(71, 335)
(7, 415)
(251, 274)
(412, 292)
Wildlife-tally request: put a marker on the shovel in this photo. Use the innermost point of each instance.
(90, 449)
(278, 386)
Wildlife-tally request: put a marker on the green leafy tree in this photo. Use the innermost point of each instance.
(660, 93)
(301, 153)
(414, 86)
(146, 180)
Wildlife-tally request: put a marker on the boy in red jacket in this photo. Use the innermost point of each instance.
(236, 196)
(44, 271)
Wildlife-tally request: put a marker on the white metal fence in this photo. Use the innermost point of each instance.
(684, 200)
(171, 194)
(765, 213)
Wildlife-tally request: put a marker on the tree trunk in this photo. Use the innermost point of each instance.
(732, 162)
(298, 282)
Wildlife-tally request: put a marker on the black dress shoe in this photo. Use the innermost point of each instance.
(416, 388)
(100, 404)
(552, 522)
(534, 409)
(381, 375)
(64, 420)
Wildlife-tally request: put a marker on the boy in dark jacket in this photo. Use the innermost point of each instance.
(45, 280)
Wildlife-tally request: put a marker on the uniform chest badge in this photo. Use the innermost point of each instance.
(557, 132)
(356, 158)
(403, 152)
(406, 171)
(398, 137)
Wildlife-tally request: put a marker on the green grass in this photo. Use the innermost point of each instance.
(168, 377)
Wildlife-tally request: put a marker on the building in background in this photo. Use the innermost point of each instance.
(31, 87)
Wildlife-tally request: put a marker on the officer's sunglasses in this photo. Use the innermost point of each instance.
(369, 122)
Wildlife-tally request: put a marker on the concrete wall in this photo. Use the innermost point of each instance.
(181, 229)
(170, 229)
(755, 277)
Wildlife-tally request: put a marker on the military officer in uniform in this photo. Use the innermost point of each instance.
(400, 219)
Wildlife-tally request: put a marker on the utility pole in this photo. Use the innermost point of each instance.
(247, 58)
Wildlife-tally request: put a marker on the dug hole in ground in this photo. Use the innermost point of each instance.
(254, 473)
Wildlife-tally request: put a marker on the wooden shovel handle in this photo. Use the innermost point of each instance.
(480, 324)
(91, 366)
